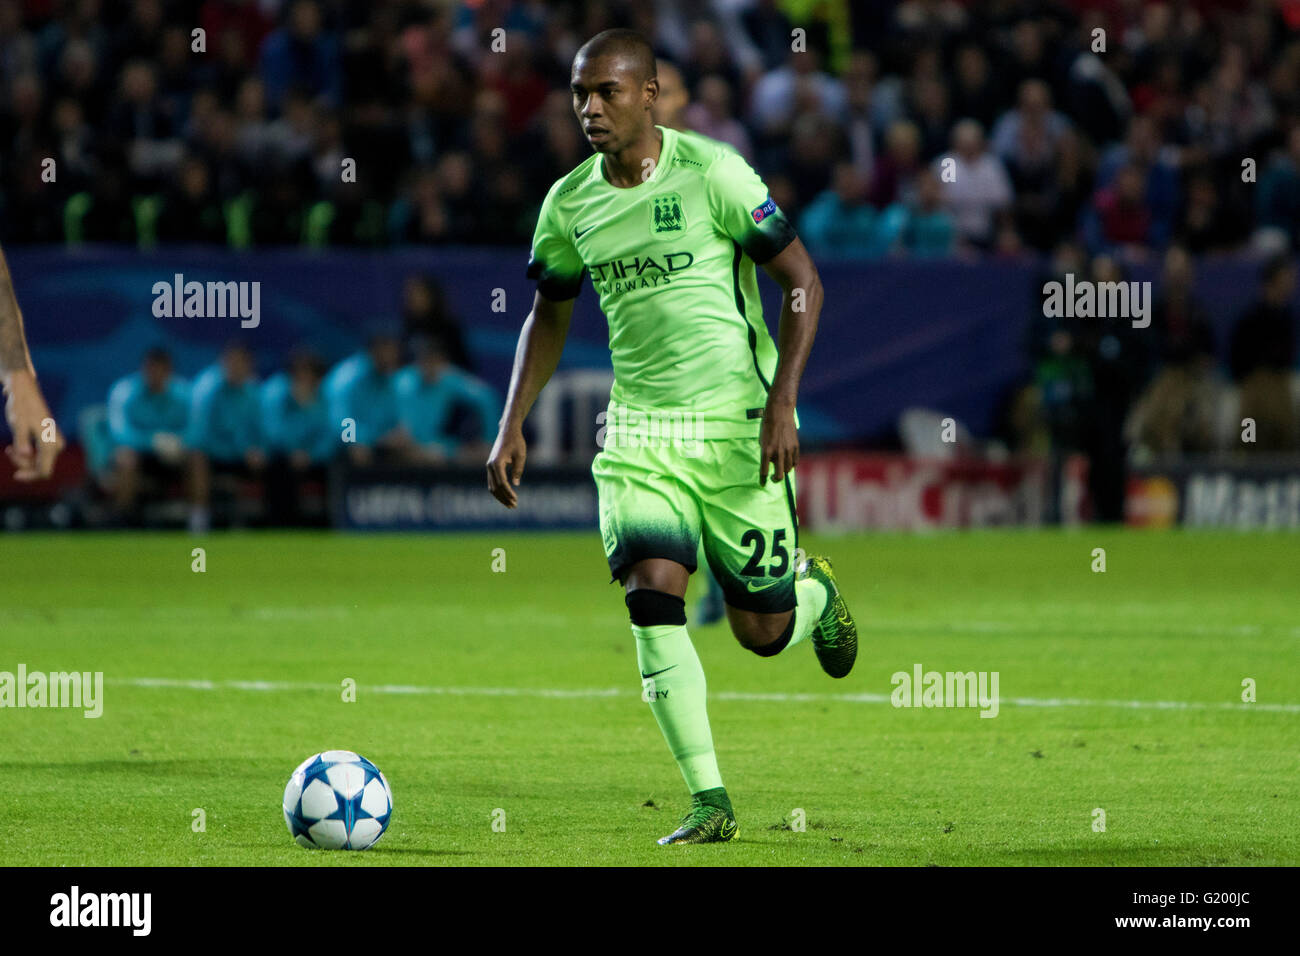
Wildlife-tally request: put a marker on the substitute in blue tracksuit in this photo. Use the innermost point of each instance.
(225, 431)
(448, 413)
(362, 404)
(148, 415)
(300, 436)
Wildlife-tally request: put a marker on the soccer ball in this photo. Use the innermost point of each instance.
(337, 800)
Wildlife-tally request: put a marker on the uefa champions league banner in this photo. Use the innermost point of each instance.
(1210, 493)
(416, 499)
(837, 491)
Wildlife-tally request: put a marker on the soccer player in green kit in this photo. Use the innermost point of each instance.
(669, 226)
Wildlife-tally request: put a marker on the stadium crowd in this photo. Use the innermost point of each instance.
(457, 130)
(1091, 134)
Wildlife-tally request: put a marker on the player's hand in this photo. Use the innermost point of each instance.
(505, 466)
(778, 442)
(168, 446)
(26, 412)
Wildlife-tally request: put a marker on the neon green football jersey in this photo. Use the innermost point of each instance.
(673, 261)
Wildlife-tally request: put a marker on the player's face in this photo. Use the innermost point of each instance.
(237, 366)
(612, 106)
(156, 374)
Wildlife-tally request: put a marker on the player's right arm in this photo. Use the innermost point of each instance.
(540, 345)
(558, 270)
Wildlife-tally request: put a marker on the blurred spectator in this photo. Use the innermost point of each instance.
(860, 118)
(140, 123)
(300, 437)
(1263, 358)
(840, 221)
(920, 227)
(670, 106)
(449, 414)
(1029, 141)
(1205, 222)
(241, 17)
(712, 116)
(1156, 166)
(815, 145)
(191, 210)
(978, 192)
(1062, 380)
(768, 28)
(798, 88)
(148, 415)
(893, 179)
(1177, 414)
(302, 53)
(225, 436)
(426, 312)
(1118, 360)
(1278, 197)
(707, 54)
(359, 394)
(976, 89)
(1120, 219)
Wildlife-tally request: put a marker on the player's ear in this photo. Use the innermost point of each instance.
(651, 91)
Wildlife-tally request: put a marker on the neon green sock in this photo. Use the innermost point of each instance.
(811, 598)
(672, 682)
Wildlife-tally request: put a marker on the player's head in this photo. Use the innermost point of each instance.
(156, 367)
(1278, 277)
(430, 355)
(385, 350)
(614, 86)
(670, 105)
(306, 369)
(929, 191)
(237, 363)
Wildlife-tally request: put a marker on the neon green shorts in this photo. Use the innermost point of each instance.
(660, 502)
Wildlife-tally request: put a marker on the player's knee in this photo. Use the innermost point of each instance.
(764, 634)
(650, 608)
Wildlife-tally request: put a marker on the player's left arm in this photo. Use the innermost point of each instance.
(801, 305)
(25, 407)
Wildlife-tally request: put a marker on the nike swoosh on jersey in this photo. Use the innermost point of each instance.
(657, 673)
(753, 590)
(579, 235)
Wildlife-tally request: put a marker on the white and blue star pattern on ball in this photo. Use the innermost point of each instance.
(337, 800)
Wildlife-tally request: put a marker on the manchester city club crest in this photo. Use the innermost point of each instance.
(666, 214)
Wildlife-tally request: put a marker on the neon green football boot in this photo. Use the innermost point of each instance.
(835, 636)
(703, 823)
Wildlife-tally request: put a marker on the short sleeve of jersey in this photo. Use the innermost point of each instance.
(554, 262)
(743, 209)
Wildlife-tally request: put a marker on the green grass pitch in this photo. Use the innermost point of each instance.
(513, 697)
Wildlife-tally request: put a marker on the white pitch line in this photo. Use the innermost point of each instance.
(774, 696)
